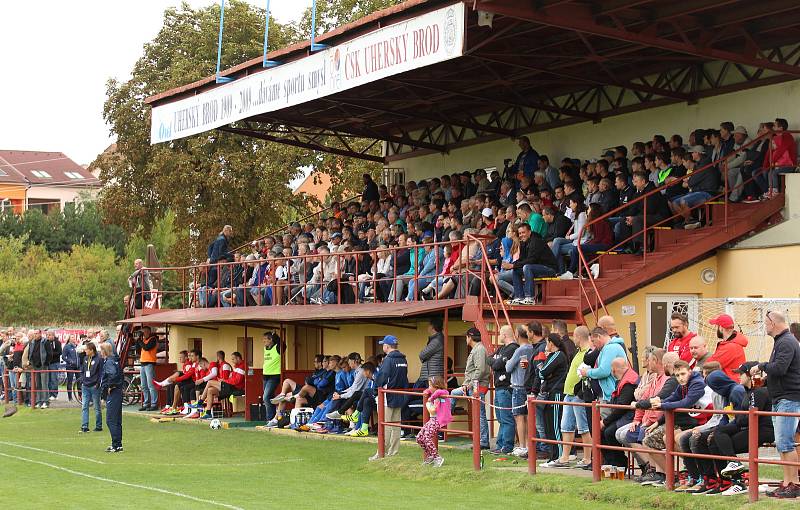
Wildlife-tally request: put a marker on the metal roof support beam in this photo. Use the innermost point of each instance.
(303, 145)
(590, 26)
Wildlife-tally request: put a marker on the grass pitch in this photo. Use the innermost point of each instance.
(45, 462)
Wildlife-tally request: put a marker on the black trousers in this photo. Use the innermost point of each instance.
(187, 390)
(114, 415)
(728, 440)
(71, 382)
(698, 444)
(350, 402)
(552, 425)
(608, 437)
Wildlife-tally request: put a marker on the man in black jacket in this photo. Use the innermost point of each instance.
(627, 380)
(536, 260)
(53, 362)
(783, 383)
(557, 224)
(39, 352)
(370, 193)
(701, 187)
(502, 392)
(393, 374)
(218, 252)
(654, 207)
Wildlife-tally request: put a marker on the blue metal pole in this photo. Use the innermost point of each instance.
(221, 79)
(267, 63)
(315, 46)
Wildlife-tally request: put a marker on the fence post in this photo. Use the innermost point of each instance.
(381, 428)
(474, 403)
(669, 442)
(752, 442)
(531, 443)
(597, 454)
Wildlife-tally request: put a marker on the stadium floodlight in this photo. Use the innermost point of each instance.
(485, 19)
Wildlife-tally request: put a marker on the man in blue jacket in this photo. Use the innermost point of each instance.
(91, 370)
(610, 349)
(393, 375)
(218, 252)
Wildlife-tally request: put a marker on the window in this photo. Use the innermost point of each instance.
(42, 174)
(73, 175)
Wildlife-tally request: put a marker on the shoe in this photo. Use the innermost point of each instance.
(114, 449)
(595, 270)
(166, 410)
(692, 226)
(651, 478)
(697, 487)
(173, 412)
(497, 451)
(437, 462)
(557, 464)
(773, 493)
(709, 485)
(684, 485)
(352, 418)
(144, 408)
(98, 429)
(374, 458)
(735, 489)
(751, 200)
(529, 301)
(582, 463)
(84, 431)
(193, 415)
(45, 405)
(360, 432)
(567, 275)
(272, 423)
(152, 408)
(206, 415)
(334, 415)
(52, 398)
(790, 491)
(733, 469)
(277, 400)
(722, 486)
(428, 461)
(515, 301)
(548, 464)
(485, 447)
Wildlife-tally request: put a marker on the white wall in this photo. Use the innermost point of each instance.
(61, 194)
(586, 140)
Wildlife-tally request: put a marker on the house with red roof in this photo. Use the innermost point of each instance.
(42, 180)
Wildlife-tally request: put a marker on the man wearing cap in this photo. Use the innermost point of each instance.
(736, 164)
(730, 349)
(476, 379)
(335, 242)
(393, 374)
(488, 218)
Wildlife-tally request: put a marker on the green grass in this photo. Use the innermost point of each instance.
(247, 469)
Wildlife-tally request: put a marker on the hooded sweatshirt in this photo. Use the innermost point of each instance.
(602, 372)
(694, 394)
(730, 354)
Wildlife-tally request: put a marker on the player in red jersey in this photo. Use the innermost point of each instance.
(225, 387)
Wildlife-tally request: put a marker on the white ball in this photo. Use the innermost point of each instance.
(215, 424)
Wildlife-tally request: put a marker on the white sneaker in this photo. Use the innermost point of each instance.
(528, 301)
(733, 468)
(272, 423)
(573, 458)
(374, 458)
(334, 415)
(566, 276)
(437, 462)
(519, 451)
(45, 405)
(734, 490)
(277, 400)
(547, 464)
(595, 269)
(52, 398)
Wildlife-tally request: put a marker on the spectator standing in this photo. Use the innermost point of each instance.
(699, 352)
(393, 374)
(91, 369)
(681, 336)
(111, 389)
(502, 393)
(783, 382)
(218, 252)
(148, 350)
(574, 418)
(610, 349)
(432, 355)
(271, 370)
(784, 155)
(527, 160)
(70, 357)
(54, 350)
(552, 375)
(140, 282)
(517, 367)
(370, 193)
(39, 358)
(476, 379)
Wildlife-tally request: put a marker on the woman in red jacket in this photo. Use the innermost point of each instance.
(601, 237)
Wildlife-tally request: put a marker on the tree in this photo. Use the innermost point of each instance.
(207, 180)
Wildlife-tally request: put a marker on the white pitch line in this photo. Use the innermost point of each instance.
(126, 484)
(51, 452)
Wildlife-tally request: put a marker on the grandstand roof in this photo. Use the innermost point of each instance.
(538, 66)
(401, 310)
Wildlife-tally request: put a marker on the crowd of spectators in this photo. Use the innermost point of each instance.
(418, 240)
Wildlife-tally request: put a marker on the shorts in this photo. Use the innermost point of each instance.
(785, 426)
(226, 390)
(200, 387)
(519, 399)
(655, 439)
(318, 398)
(187, 390)
(574, 417)
(636, 436)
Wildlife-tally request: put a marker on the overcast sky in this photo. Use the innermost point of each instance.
(57, 56)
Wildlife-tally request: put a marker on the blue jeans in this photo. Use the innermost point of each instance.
(560, 248)
(42, 386)
(507, 429)
(114, 415)
(91, 394)
(53, 379)
(574, 417)
(785, 426)
(270, 385)
(528, 272)
(775, 176)
(692, 199)
(412, 287)
(484, 425)
(541, 432)
(588, 251)
(147, 375)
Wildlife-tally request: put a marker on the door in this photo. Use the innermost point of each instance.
(659, 309)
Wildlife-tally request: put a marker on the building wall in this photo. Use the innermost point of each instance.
(62, 195)
(586, 140)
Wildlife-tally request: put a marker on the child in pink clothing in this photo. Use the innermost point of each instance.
(438, 406)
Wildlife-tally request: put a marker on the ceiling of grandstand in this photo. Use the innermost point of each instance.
(541, 64)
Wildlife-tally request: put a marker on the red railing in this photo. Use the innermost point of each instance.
(474, 432)
(195, 279)
(671, 454)
(584, 264)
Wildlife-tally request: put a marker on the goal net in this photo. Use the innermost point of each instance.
(748, 315)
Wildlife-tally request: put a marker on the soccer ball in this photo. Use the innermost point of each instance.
(215, 424)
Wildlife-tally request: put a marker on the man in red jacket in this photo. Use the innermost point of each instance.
(730, 350)
(784, 155)
(681, 336)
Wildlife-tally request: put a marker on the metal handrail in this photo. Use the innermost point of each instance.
(486, 269)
